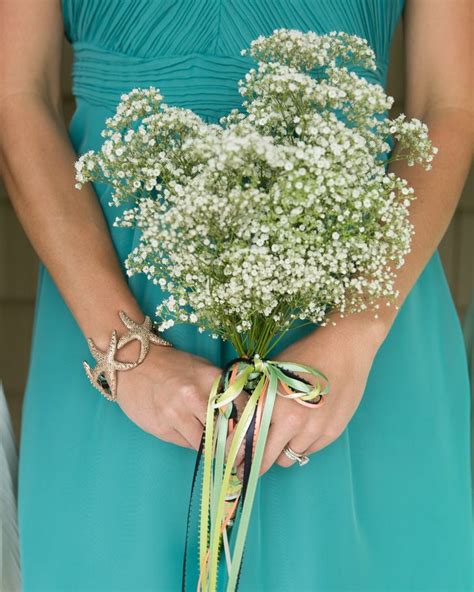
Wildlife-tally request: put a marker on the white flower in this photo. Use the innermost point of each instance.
(282, 212)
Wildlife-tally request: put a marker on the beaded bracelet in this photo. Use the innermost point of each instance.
(103, 376)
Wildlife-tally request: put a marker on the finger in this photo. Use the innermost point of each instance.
(174, 437)
(240, 402)
(192, 431)
(279, 435)
(300, 444)
(196, 401)
(181, 441)
(319, 444)
(198, 407)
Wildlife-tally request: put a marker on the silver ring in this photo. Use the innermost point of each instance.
(302, 459)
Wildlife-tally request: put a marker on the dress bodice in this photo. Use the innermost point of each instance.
(190, 49)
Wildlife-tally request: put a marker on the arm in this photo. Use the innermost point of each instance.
(37, 164)
(166, 395)
(439, 92)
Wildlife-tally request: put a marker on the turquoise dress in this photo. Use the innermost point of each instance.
(103, 505)
(469, 339)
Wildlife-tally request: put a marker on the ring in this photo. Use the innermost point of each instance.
(301, 458)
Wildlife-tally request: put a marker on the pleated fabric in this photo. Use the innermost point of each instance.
(386, 507)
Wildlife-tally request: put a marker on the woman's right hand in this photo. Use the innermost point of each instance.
(167, 394)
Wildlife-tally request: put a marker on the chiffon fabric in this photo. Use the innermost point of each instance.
(103, 505)
(469, 339)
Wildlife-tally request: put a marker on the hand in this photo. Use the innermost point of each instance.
(167, 394)
(344, 353)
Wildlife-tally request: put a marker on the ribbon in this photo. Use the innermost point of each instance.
(222, 492)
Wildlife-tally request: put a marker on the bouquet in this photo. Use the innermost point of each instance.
(277, 216)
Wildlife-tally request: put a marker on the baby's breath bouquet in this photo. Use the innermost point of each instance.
(279, 215)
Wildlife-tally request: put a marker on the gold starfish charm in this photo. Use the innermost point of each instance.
(142, 332)
(103, 376)
(106, 368)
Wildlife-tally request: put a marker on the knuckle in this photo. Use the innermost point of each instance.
(314, 448)
(190, 393)
(333, 432)
(293, 418)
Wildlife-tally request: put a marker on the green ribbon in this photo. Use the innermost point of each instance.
(265, 375)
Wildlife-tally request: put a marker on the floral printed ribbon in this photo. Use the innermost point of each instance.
(221, 489)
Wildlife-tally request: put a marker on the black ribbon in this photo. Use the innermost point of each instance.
(247, 466)
(249, 436)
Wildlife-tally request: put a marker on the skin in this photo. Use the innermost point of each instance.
(167, 394)
(439, 68)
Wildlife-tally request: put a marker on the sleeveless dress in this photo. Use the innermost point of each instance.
(103, 505)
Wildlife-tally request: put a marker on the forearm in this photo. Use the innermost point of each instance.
(437, 193)
(66, 228)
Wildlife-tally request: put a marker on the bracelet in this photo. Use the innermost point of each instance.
(103, 376)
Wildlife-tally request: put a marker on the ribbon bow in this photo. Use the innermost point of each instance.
(221, 489)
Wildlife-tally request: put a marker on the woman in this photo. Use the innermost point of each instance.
(384, 503)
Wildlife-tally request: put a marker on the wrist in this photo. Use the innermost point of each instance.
(370, 326)
(99, 328)
(108, 361)
(100, 322)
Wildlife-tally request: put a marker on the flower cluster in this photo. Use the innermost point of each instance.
(282, 213)
(307, 51)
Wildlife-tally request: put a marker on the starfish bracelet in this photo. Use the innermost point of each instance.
(103, 376)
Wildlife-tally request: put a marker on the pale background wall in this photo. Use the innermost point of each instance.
(18, 263)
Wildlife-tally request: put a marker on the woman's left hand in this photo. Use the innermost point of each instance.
(344, 353)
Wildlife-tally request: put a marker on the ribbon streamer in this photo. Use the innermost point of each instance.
(222, 492)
